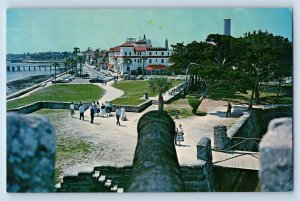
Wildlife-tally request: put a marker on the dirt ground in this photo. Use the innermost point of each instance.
(108, 144)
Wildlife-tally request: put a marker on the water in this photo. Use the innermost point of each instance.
(11, 76)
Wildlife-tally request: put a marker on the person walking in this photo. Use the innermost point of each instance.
(118, 114)
(92, 113)
(179, 136)
(72, 107)
(229, 106)
(98, 108)
(81, 111)
(94, 108)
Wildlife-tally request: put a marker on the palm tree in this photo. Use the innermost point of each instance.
(76, 51)
(67, 63)
(160, 86)
(97, 52)
(127, 62)
(55, 64)
(143, 58)
(80, 60)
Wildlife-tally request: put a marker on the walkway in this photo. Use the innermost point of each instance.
(111, 93)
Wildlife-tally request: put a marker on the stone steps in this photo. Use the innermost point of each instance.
(93, 181)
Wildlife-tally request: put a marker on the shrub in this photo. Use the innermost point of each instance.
(194, 103)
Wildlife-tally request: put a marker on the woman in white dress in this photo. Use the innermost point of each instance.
(102, 111)
(123, 114)
(179, 135)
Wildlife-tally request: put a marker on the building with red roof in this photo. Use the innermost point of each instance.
(135, 56)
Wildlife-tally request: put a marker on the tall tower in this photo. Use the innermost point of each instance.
(227, 26)
(166, 44)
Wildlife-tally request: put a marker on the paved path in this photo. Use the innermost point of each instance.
(111, 93)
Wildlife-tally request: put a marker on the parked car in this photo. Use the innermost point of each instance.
(61, 81)
(97, 80)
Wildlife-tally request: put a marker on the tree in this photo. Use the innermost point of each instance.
(207, 64)
(143, 59)
(264, 58)
(75, 52)
(80, 60)
(160, 86)
(127, 62)
(97, 52)
(55, 65)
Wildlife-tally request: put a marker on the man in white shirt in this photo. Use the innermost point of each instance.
(118, 114)
(72, 107)
(81, 112)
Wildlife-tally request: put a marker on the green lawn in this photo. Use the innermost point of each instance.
(60, 93)
(228, 93)
(134, 90)
(182, 109)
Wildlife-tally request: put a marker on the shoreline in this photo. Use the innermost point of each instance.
(20, 84)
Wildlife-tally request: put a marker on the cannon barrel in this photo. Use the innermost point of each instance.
(155, 165)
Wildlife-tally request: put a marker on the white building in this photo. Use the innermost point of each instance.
(134, 56)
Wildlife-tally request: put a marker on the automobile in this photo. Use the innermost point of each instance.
(97, 80)
(61, 81)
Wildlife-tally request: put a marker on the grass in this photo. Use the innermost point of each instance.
(60, 93)
(181, 109)
(228, 93)
(67, 147)
(134, 91)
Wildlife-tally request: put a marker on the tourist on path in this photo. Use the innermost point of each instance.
(118, 114)
(92, 113)
(72, 107)
(123, 114)
(102, 111)
(179, 135)
(98, 108)
(94, 108)
(81, 112)
(229, 106)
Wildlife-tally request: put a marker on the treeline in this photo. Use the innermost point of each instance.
(244, 63)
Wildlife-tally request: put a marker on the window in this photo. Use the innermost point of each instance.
(125, 53)
(155, 60)
(134, 60)
(162, 53)
(162, 60)
(150, 61)
(155, 53)
(150, 53)
(129, 53)
(168, 53)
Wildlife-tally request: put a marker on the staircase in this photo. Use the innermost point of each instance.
(95, 181)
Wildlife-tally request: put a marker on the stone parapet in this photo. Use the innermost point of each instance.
(276, 156)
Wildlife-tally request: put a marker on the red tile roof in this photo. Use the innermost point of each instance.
(127, 45)
(140, 49)
(156, 67)
(115, 49)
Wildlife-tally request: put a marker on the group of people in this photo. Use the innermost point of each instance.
(104, 110)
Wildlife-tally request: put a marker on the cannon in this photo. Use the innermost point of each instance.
(155, 164)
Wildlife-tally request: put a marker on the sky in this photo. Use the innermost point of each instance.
(41, 30)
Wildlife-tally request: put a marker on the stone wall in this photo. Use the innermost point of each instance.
(254, 125)
(194, 177)
(30, 153)
(66, 105)
(46, 104)
(276, 156)
(131, 108)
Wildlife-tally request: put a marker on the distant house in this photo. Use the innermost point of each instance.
(134, 56)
